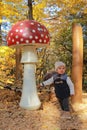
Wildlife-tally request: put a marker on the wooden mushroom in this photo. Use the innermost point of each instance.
(30, 35)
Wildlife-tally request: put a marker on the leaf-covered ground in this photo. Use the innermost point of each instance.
(12, 117)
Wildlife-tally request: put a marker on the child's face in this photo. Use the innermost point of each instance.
(61, 69)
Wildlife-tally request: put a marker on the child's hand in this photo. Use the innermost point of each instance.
(39, 86)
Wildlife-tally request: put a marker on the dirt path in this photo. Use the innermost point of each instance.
(12, 117)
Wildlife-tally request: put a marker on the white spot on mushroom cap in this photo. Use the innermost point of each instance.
(11, 34)
(44, 41)
(27, 41)
(21, 24)
(16, 30)
(21, 30)
(44, 30)
(33, 31)
(36, 37)
(24, 34)
(12, 40)
(21, 39)
(16, 36)
(9, 38)
(38, 24)
(32, 23)
(46, 36)
(26, 29)
(39, 29)
(40, 40)
(33, 41)
(42, 35)
(17, 42)
(30, 36)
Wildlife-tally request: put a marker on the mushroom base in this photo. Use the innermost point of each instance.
(29, 99)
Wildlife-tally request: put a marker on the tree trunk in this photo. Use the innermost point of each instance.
(18, 64)
(0, 35)
(77, 62)
(30, 16)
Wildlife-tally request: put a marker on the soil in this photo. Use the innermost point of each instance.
(48, 117)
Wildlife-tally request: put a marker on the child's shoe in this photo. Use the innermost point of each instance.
(66, 115)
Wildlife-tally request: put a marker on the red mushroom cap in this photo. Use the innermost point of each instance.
(28, 32)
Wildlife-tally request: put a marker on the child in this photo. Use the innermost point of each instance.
(63, 86)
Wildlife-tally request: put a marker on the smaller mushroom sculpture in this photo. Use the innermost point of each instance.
(30, 35)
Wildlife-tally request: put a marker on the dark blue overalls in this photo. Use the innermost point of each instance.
(62, 90)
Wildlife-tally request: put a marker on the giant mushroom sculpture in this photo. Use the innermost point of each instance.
(30, 35)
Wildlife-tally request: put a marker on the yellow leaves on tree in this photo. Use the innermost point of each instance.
(12, 10)
(7, 69)
(7, 10)
(15, 1)
(38, 10)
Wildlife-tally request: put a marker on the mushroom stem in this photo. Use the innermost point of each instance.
(29, 99)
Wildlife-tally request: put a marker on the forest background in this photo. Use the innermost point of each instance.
(58, 17)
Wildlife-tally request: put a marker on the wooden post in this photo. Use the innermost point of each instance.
(77, 62)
